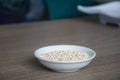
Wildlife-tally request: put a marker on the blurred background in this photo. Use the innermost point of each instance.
(21, 11)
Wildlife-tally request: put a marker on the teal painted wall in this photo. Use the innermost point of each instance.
(58, 9)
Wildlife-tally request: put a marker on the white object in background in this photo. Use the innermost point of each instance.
(109, 12)
(36, 11)
(60, 66)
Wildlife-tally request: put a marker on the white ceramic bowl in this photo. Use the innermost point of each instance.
(60, 66)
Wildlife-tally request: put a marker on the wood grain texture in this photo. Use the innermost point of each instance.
(19, 41)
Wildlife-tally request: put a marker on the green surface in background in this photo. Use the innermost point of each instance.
(65, 8)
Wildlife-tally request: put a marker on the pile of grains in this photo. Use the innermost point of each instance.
(65, 55)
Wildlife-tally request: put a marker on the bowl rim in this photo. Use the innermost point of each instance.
(88, 59)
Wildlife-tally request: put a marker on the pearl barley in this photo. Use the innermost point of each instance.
(65, 56)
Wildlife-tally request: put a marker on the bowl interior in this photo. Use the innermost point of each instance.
(47, 49)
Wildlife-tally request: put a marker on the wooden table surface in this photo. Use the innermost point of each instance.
(19, 41)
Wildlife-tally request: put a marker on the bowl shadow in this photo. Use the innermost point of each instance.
(33, 64)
